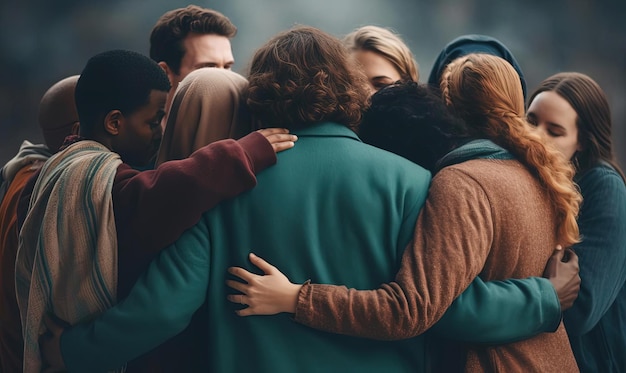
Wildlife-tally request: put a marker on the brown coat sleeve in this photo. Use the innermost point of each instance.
(452, 239)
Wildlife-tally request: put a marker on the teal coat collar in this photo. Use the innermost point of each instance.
(326, 129)
(476, 149)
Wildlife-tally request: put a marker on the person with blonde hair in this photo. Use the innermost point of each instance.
(496, 208)
(572, 112)
(383, 56)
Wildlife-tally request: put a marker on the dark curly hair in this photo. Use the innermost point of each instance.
(166, 39)
(303, 76)
(115, 80)
(412, 121)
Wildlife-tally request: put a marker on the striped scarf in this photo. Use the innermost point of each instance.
(67, 257)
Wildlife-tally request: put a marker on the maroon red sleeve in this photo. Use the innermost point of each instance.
(155, 207)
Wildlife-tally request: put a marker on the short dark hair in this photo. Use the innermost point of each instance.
(115, 80)
(412, 121)
(166, 39)
(303, 76)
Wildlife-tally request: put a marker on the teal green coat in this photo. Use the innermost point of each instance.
(334, 210)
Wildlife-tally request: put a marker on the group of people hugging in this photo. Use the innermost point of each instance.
(456, 225)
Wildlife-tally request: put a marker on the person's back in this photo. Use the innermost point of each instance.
(509, 193)
(336, 209)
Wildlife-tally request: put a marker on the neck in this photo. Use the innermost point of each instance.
(104, 140)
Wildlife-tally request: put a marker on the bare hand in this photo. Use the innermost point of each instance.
(563, 272)
(264, 295)
(50, 344)
(279, 138)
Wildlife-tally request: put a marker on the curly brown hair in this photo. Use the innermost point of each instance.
(304, 76)
(166, 39)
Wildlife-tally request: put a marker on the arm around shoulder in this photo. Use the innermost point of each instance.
(183, 189)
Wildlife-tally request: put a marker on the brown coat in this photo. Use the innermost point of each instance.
(487, 218)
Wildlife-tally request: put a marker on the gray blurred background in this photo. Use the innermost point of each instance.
(43, 41)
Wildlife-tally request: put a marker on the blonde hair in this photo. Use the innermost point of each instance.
(486, 92)
(389, 45)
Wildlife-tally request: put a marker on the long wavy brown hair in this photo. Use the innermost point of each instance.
(304, 76)
(485, 91)
(593, 117)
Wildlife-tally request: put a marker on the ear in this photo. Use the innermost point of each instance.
(113, 121)
(75, 128)
(170, 74)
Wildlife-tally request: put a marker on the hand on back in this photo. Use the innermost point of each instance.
(279, 138)
(268, 294)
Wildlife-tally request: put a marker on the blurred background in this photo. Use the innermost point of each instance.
(43, 41)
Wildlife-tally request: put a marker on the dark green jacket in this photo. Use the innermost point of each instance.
(596, 323)
(334, 210)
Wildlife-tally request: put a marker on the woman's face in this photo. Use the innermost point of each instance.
(379, 71)
(555, 119)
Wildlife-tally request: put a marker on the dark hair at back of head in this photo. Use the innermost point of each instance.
(115, 80)
(411, 120)
(166, 39)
